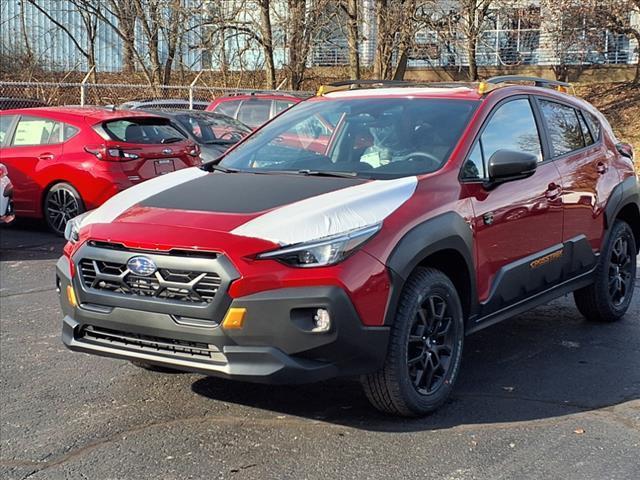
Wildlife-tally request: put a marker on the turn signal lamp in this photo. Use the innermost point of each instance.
(234, 319)
(71, 296)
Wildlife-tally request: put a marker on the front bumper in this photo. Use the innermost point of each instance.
(275, 345)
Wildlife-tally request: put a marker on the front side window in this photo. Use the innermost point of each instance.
(565, 132)
(36, 131)
(372, 138)
(142, 130)
(512, 127)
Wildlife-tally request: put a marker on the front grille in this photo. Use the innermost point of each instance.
(149, 343)
(169, 284)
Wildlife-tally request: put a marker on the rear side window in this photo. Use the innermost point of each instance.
(142, 130)
(228, 108)
(5, 124)
(565, 132)
(37, 131)
(255, 112)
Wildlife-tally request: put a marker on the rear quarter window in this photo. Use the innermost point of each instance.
(153, 130)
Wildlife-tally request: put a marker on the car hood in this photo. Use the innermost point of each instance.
(282, 209)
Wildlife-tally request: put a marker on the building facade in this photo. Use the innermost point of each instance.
(527, 33)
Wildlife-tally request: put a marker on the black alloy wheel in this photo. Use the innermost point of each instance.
(620, 271)
(430, 345)
(425, 348)
(609, 296)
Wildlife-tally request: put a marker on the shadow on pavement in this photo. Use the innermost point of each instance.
(544, 364)
(28, 240)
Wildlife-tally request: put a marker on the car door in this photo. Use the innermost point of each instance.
(36, 142)
(584, 164)
(517, 224)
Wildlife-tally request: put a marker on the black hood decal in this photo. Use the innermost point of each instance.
(244, 193)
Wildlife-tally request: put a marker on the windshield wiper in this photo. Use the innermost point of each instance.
(210, 167)
(327, 173)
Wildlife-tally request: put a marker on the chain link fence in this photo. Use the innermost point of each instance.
(85, 93)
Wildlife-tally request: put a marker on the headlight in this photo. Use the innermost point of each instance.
(72, 230)
(322, 252)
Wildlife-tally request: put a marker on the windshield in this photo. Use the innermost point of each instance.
(372, 138)
(214, 128)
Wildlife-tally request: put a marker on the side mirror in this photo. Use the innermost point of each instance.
(508, 165)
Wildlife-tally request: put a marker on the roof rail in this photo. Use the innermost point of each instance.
(354, 84)
(537, 82)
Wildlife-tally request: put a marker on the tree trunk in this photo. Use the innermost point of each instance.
(267, 42)
(473, 64)
(353, 39)
(297, 50)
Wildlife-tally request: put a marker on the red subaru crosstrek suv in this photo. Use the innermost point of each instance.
(431, 212)
(65, 160)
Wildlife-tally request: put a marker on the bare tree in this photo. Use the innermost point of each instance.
(90, 23)
(351, 10)
(267, 41)
(615, 15)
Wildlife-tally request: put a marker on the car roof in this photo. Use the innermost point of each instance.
(462, 91)
(173, 112)
(90, 113)
(262, 95)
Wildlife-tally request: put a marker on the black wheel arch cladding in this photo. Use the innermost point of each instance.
(448, 232)
(625, 195)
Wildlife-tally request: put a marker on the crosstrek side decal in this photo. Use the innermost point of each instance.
(331, 213)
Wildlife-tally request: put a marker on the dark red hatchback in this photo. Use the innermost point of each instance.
(65, 160)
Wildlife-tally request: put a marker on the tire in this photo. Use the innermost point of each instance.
(422, 337)
(61, 203)
(154, 368)
(608, 298)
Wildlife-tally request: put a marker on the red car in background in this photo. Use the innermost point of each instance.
(253, 109)
(65, 160)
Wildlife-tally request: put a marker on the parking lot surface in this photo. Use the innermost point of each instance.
(545, 395)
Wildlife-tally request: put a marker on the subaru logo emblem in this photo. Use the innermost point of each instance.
(142, 266)
(167, 151)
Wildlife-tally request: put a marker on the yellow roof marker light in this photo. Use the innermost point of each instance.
(234, 319)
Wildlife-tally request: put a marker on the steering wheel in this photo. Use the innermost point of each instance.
(413, 156)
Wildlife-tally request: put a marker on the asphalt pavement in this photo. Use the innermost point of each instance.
(545, 395)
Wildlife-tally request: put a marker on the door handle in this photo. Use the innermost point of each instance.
(601, 168)
(46, 156)
(553, 191)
